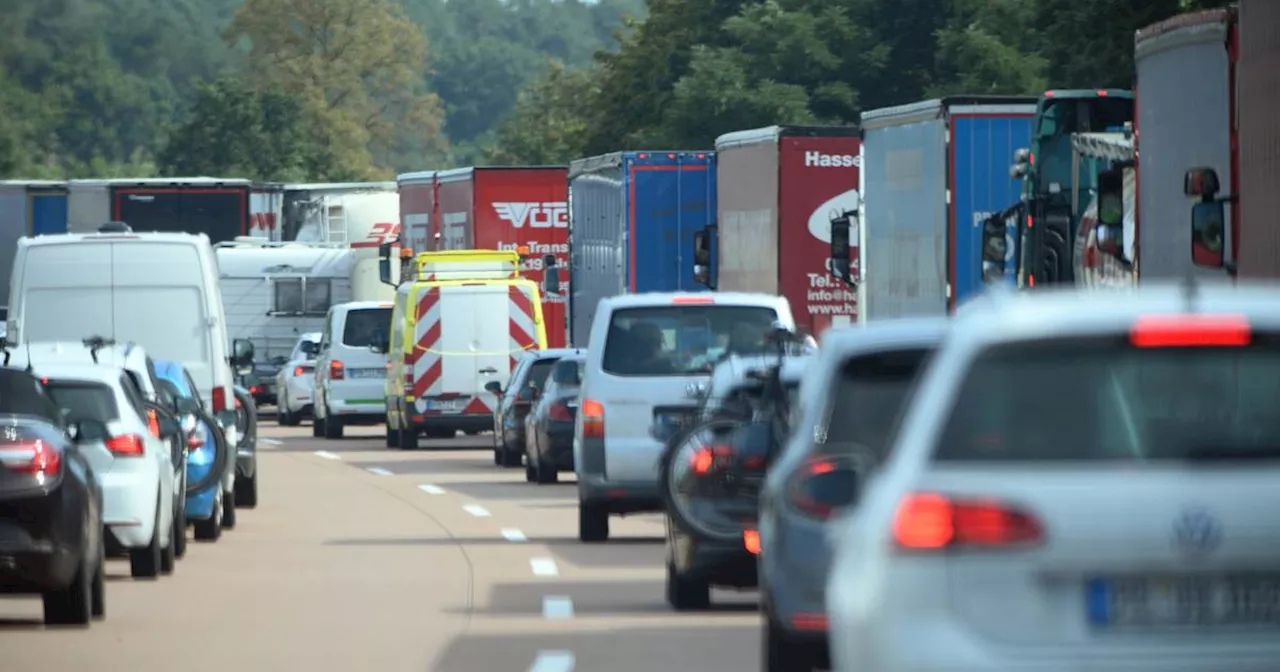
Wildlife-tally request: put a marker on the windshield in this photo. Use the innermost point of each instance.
(1065, 116)
(84, 401)
(869, 397)
(683, 340)
(366, 327)
(1111, 401)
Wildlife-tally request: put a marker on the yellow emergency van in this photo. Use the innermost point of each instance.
(462, 319)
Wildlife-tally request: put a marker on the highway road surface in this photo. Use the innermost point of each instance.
(361, 558)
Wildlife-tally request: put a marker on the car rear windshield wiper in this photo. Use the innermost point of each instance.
(1232, 453)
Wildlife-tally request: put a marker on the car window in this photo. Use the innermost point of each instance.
(568, 372)
(868, 397)
(21, 393)
(133, 394)
(367, 326)
(191, 385)
(1114, 402)
(539, 371)
(513, 382)
(682, 340)
(84, 400)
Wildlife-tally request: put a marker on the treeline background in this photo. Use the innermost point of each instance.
(330, 90)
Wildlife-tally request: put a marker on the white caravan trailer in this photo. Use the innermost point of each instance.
(360, 215)
(272, 293)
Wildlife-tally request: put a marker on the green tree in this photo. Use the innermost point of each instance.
(989, 47)
(357, 65)
(548, 125)
(236, 131)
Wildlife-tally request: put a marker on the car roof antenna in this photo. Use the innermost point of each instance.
(96, 343)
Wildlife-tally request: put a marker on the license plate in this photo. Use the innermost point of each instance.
(444, 404)
(1184, 601)
(366, 373)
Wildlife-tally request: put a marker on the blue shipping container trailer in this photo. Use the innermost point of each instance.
(28, 208)
(932, 172)
(632, 219)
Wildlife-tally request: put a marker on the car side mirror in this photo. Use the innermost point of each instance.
(1208, 234)
(842, 247)
(493, 387)
(242, 352)
(551, 280)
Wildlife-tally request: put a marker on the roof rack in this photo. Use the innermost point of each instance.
(96, 343)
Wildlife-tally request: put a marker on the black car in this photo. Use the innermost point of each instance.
(516, 400)
(51, 535)
(549, 426)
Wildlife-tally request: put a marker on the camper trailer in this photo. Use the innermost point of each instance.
(274, 292)
(360, 215)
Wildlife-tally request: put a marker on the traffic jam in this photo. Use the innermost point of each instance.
(896, 397)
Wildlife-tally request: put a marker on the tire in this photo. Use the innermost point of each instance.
(179, 541)
(779, 653)
(332, 426)
(546, 474)
(317, 427)
(497, 456)
(530, 473)
(685, 594)
(407, 438)
(229, 510)
(144, 563)
(211, 529)
(72, 605)
(285, 417)
(99, 587)
(593, 523)
(393, 439)
(169, 554)
(247, 490)
(508, 458)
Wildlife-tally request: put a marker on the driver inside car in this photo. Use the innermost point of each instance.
(646, 344)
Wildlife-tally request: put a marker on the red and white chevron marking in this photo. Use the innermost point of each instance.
(521, 326)
(427, 367)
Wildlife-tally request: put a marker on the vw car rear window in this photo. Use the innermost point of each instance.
(366, 327)
(1063, 401)
(84, 401)
(683, 340)
(869, 396)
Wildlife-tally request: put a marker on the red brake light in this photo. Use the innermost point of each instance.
(33, 457)
(220, 399)
(592, 419)
(1188, 331)
(255, 389)
(692, 300)
(559, 411)
(930, 521)
(1102, 94)
(298, 371)
(336, 370)
(126, 445)
(751, 541)
(710, 458)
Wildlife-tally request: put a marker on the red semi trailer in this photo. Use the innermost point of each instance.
(778, 189)
(494, 208)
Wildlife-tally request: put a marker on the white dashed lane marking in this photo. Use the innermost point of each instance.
(431, 489)
(327, 455)
(513, 535)
(557, 607)
(543, 567)
(476, 510)
(270, 442)
(553, 661)
(379, 471)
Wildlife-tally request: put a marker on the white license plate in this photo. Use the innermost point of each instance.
(1184, 601)
(366, 373)
(444, 404)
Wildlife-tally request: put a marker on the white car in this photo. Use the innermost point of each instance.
(651, 368)
(1081, 482)
(296, 382)
(141, 472)
(350, 375)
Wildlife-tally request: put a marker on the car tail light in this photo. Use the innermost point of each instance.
(126, 445)
(336, 370)
(592, 419)
(821, 486)
(930, 521)
(710, 458)
(31, 457)
(1187, 331)
(751, 541)
(256, 389)
(559, 411)
(220, 399)
(298, 371)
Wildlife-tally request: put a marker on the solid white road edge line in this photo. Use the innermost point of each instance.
(553, 661)
(379, 471)
(431, 489)
(327, 455)
(543, 567)
(513, 535)
(270, 442)
(476, 510)
(557, 607)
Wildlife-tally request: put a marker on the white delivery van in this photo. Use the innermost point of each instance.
(351, 368)
(159, 290)
(649, 360)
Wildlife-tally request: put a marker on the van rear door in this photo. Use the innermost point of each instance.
(62, 280)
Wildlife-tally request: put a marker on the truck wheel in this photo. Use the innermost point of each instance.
(332, 426)
(593, 522)
(408, 438)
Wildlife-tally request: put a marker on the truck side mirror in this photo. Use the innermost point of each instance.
(1208, 234)
(1110, 229)
(551, 280)
(384, 263)
(1021, 163)
(841, 248)
(549, 261)
(995, 247)
(702, 257)
(242, 352)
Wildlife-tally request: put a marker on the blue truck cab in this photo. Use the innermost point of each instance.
(633, 217)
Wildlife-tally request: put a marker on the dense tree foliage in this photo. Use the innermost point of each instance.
(357, 89)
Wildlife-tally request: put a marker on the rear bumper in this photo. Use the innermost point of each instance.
(556, 447)
(458, 422)
(129, 500)
(719, 563)
(43, 552)
(619, 497)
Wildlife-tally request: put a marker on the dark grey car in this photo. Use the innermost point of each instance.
(549, 426)
(850, 403)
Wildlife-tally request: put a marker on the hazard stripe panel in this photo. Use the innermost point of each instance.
(427, 368)
(521, 325)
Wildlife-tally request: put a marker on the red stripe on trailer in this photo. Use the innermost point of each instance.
(521, 302)
(429, 299)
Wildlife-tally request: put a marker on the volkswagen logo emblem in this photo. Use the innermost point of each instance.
(695, 390)
(1197, 532)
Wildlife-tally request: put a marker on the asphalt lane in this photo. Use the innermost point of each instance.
(363, 558)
